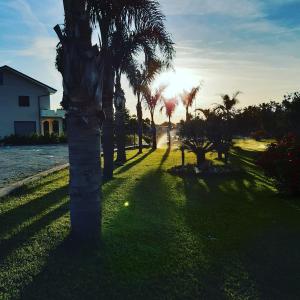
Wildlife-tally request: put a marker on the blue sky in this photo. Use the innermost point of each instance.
(247, 45)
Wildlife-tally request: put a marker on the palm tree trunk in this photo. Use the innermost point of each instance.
(187, 115)
(140, 123)
(182, 156)
(200, 157)
(85, 176)
(120, 136)
(169, 132)
(82, 77)
(119, 100)
(108, 125)
(154, 137)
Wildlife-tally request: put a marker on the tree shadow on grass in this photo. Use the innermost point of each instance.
(140, 254)
(249, 233)
(165, 157)
(130, 165)
(21, 235)
(16, 216)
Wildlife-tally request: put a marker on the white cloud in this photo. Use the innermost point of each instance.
(24, 10)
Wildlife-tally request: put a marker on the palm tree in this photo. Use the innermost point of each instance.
(215, 131)
(142, 24)
(139, 77)
(188, 98)
(169, 107)
(146, 36)
(194, 135)
(152, 100)
(227, 108)
(81, 65)
(88, 80)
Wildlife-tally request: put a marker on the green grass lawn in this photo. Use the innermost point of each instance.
(164, 237)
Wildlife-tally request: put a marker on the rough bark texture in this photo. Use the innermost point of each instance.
(140, 124)
(81, 66)
(85, 176)
(108, 125)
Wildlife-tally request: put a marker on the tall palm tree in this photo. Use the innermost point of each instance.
(188, 98)
(82, 67)
(125, 18)
(88, 80)
(139, 77)
(145, 38)
(169, 107)
(152, 100)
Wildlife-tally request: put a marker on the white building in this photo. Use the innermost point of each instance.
(25, 105)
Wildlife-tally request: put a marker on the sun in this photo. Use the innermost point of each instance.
(178, 80)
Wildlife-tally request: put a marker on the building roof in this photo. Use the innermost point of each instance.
(49, 88)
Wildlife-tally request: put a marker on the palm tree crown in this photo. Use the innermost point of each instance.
(169, 106)
(153, 98)
(188, 98)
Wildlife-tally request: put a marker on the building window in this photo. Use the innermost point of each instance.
(24, 101)
(1, 78)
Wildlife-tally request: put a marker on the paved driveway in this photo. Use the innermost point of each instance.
(22, 161)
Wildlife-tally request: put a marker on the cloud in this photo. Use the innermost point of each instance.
(24, 10)
(40, 47)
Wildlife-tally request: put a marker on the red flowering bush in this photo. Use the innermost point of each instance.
(281, 161)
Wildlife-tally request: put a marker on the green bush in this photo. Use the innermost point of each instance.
(34, 139)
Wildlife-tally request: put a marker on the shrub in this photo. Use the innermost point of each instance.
(34, 139)
(281, 161)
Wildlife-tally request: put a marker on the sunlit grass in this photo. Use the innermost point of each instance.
(164, 237)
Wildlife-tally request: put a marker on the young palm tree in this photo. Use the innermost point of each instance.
(152, 100)
(227, 109)
(215, 131)
(169, 107)
(188, 98)
(195, 137)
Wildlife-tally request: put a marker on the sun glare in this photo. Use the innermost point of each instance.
(177, 81)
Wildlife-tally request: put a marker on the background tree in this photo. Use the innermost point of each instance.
(139, 77)
(117, 18)
(147, 36)
(188, 98)
(152, 100)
